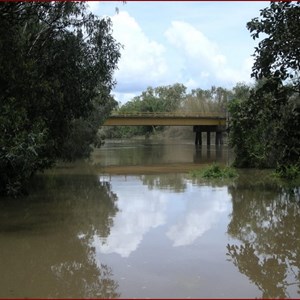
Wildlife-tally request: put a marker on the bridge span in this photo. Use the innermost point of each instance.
(201, 122)
(166, 119)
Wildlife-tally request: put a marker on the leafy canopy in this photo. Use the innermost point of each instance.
(56, 67)
(265, 127)
(278, 55)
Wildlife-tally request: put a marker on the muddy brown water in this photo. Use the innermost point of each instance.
(131, 223)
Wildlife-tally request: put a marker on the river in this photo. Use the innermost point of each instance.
(131, 222)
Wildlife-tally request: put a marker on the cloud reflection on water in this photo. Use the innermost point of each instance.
(203, 207)
(187, 215)
(139, 211)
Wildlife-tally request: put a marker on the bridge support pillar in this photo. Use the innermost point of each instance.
(208, 138)
(198, 138)
(219, 138)
(198, 135)
(218, 130)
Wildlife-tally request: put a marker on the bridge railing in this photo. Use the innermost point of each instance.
(169, 114)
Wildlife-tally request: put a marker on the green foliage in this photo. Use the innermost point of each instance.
(278, 54)
(212, 100)
(215, 171)
(247, 124)
(265, 126)
(241, 91)
(56, 68)
(159, 99)
(290, 172)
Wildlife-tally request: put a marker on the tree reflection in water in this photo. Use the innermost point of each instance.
(174, 182)
(267, 222)
(47, 250)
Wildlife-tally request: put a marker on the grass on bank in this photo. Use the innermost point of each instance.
(251, 178)
(215, 171)
(290, 172)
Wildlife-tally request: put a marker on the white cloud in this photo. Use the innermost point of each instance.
(204, 61)
(200, 49)
(193, 43)
(123, 97)
(142, 63)
(93, 6)
(192, 59)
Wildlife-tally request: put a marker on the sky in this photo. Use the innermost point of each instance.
(199, 44)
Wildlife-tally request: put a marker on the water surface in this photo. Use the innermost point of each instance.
(91, 229)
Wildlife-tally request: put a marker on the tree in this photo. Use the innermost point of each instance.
(56, 69)
(265, 127)
(278, 55)
(213, 100)
(154, 100)
(251, 130)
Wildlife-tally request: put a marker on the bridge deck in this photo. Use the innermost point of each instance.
(166, 119)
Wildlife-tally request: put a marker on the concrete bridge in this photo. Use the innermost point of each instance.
(201, 122)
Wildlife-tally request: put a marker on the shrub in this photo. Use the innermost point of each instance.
(215, 171)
